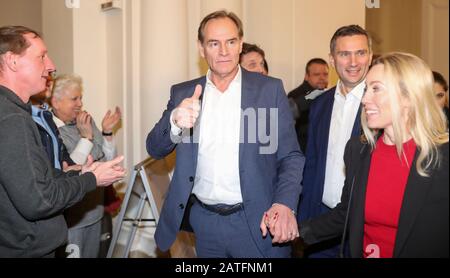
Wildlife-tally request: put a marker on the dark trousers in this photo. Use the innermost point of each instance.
(226, 236)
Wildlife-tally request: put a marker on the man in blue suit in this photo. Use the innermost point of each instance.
(238, 162)
(334, 118)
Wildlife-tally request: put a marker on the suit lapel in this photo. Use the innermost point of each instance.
(359, 200)
(414, 198)
(357, 130)
(324, 126)
(195, 131)
(248, 99)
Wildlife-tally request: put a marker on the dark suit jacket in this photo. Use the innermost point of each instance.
(316, 154)
(265, 178)
(301, 123)
(423, 228)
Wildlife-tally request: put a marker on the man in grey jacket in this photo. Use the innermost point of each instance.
(33, 194)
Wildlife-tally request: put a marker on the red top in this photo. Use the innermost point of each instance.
(386, 185)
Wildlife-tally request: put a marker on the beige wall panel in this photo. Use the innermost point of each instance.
(435, 35)
(293, 31)
(396, 26)
(163, 57)
(57, 23)
(90, 59)
(21, 12)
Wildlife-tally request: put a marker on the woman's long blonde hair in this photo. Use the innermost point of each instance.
(409, 80)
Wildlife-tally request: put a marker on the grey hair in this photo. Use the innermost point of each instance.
(65, 83)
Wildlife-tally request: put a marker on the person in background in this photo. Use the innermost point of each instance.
(395, 201)
(316, 78)
(252, 58)
(33, 194)
(441, 92)
(82, 138)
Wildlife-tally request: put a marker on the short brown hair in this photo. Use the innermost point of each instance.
(12, 39)
(220, 14)
(438, 78)
(248, 47)
(319, 61)
(349, 30)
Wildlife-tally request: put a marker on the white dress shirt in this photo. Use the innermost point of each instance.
(217, 176)
(345, 110)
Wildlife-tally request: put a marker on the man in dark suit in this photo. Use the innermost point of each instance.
(238, 164)
(316, 78)
(334, 117)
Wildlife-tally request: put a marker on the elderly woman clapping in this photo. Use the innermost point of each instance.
(82, 138)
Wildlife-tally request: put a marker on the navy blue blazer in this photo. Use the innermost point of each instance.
(265, 178)
(316, 154)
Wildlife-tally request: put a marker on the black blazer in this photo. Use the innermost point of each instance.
(423, 228)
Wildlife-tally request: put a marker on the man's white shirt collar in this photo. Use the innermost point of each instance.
(357, 91)
(236, 80)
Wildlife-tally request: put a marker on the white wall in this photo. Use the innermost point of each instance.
(315, 23)
(163, 57)
(89, 47)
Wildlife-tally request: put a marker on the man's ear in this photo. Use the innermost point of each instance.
(331, 58)
(10, 60)
(241, 45)
(201, 49)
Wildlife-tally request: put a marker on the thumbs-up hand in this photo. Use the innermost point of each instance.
(185, 115)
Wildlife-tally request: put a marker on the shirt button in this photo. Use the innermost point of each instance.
(191, 179)
(181, 206)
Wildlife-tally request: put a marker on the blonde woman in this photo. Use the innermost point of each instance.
(395, 202)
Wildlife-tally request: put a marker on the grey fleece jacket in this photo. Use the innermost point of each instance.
(33, 194)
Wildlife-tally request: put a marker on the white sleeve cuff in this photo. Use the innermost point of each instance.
(109, 149)
(174, 129)
(81, 151)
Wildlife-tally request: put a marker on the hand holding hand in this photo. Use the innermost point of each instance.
(281, 223)
(186, 114)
